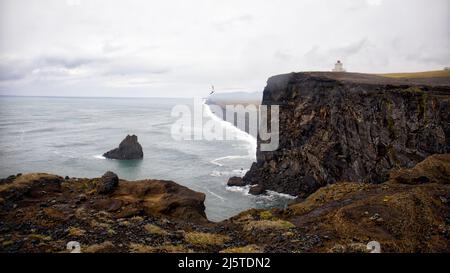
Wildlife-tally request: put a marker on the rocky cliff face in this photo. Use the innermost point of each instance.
(350, 127)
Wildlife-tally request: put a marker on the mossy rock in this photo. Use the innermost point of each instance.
(268, 225)
(243, 249)
(154, 229)
(140, 248)
(266, 215)
(205, 239)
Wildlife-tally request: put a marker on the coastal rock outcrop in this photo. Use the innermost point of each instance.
(129, 148)
(160, 198)
(257, 189)
(349, 127)
(235, 181)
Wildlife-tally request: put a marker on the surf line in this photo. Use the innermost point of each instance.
(240, 134)
(217, 160)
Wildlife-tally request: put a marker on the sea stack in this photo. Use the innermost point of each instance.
(129, 148)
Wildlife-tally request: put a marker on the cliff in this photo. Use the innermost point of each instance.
(350, 127)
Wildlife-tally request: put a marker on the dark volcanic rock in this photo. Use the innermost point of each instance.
(160, 197)
(108, 182)
(434, 169)
(257, 189)
(349, 127)
(129, 148)
(236, 181)
(31, 185)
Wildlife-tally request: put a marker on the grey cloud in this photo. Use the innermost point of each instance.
(439, 56)
(125, 70)
(350, 49)
(318, 55)
(8, 73)
(66, 62)
(15, 69)
(228, 43)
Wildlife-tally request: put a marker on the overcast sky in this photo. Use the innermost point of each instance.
(178, 48)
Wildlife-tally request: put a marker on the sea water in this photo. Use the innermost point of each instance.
(67, 136)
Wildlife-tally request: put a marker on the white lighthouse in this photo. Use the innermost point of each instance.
(338, 67)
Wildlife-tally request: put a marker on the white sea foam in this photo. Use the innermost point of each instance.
(283, 195)
(244, 190)
(271, 195)
(238, 133)
(219, 159)
(229, 173)
(99, 157)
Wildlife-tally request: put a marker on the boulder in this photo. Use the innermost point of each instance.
(160, 198)
(257, 189)
(236, 181)
(108, 182)
(129, 148)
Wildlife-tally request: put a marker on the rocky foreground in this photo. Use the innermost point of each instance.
(43, 212)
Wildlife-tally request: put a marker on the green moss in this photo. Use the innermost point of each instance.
(243, 249)
(140, 248)
(205, 239)
(111, 232)
(413, 90)
(7, 243)
(393, 156)
(265, 215)
(74, 231)
(153, 229)
(422, 99)
(389, 120)
(421, 105)
(268, 225)
(39, 237)
(390, 125)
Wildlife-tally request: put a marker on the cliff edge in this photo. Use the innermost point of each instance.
(350, 127)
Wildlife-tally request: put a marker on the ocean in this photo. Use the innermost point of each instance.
(67, 136)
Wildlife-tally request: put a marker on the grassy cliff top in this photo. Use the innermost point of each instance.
(418, 75)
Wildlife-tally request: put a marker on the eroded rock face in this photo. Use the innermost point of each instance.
(349, 127)
(129, 148)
